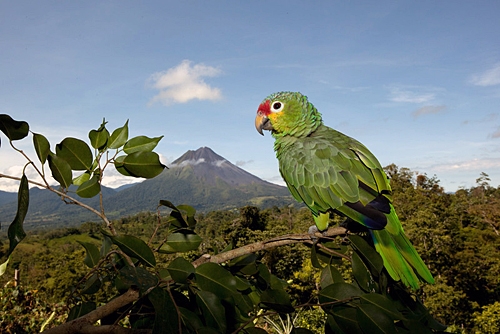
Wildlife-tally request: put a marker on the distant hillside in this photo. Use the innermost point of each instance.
(204, 180)
(6, 197)
(201, 178)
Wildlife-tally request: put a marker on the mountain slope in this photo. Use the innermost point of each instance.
(200, 178)
(205, 181)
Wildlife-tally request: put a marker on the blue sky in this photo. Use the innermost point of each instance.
(417, 82)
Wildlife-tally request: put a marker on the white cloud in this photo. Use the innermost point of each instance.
(188, 162)
(241, 163)
(183, 83)
(490, 77)
(425, 110)
(409, 96)
(468, 165)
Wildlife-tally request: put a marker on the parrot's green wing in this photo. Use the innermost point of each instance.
(330, 171)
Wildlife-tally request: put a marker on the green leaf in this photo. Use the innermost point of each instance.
(332, 326)
(339, 292)
(42, 147)
(383, 303)
(118, 137)
(93, 256)
(99, 138)
(191, 320)
(106, 245)
(212, 310)
(143, 164)
(175, 218)
(118, 162)
(372, 319)
(138, 277)
(80, 179)
(76, 152)
(136, 248)
(276, 299)
(166, 316)
(330, 275)
(214, 278)
(89, 188)
(14, 130)
(80, 310)
(362, 274)
(181, 242)
(61, 170)
(141, 144)
(92, 285)
(368, 252)
(180, 269)
(347, 320)
(3, 266)
(16, 230)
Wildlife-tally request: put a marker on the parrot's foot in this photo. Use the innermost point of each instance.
(312, 232)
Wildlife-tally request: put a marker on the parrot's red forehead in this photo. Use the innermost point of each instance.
(265, 108)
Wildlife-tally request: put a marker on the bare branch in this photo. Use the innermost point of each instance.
(287, 239)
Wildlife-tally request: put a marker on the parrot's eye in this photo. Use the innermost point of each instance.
(277, 106)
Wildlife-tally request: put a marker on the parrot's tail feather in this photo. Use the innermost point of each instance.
(399, 264)
(410, 254)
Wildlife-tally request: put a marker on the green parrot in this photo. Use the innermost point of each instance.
(331, 172)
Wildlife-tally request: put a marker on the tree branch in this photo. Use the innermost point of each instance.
(287, 239)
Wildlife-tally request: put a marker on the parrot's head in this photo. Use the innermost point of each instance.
(287, 113)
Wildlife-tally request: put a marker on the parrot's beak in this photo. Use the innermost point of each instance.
(262, 123)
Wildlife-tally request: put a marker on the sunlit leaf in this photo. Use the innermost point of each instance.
(76, 152)
(14, 130)
(118, 137)
(180, 269)
(136, 248)
(16, 230)
(80, 179)
(3, 266)
(89, 188)
(42, 147)
(141, 144)
(92, 254)
(143, 164)
(212, 310)
(61, 170)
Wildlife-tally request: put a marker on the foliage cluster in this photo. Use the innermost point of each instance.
(244, 272)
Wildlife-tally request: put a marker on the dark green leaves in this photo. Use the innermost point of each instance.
(141, 164)
(76, 153)
(93, 256)
(61, 170)
(99, 138)
(134, 247)
(14, 130)
(180, 270)
(181, 242)
(16, 230)
(118, 137)
(42, 147)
